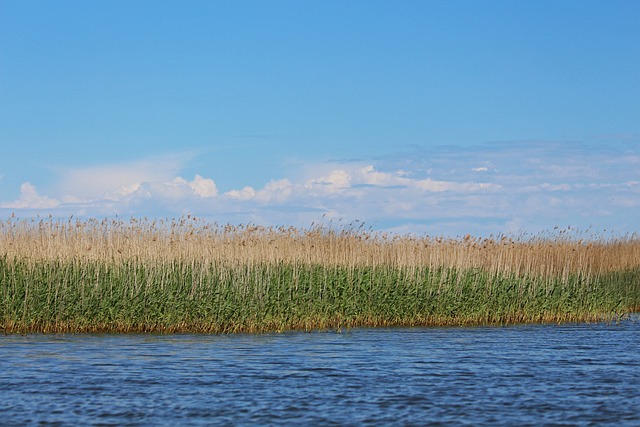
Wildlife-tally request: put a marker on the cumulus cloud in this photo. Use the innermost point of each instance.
(30, 199)
(177, 189)
(369, 175)
(246, 193)
(276, 190)
(336, 181)
(203, 187)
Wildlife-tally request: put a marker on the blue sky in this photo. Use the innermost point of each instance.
(438, 117)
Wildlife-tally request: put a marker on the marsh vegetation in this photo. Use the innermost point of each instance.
(187, 275)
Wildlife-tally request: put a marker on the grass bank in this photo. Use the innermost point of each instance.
(190, 276)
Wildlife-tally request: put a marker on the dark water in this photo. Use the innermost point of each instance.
(523, 375)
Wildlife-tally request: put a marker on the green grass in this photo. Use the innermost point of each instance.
(82, 295)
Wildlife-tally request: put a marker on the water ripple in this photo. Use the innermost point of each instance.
(570, 375)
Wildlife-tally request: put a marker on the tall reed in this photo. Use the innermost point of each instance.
(189, 275)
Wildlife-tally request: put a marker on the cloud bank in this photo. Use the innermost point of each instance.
(505, 187)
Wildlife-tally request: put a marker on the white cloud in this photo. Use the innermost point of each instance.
(337, 181)
(532, 186)
(114, 179)
(246, 193)
(555, 187)
(117, 187)
(176, 189)
(461, 187)
(30, 199)
(204, 187)
(369, 175)
(123, 192)
(275, 190)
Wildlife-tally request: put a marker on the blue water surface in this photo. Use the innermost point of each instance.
(560, 375)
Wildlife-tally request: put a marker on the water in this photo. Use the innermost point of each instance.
(522, 375)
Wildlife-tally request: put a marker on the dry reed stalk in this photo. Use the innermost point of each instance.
(192, 240)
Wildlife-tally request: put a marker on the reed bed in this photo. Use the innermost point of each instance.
(187, 275)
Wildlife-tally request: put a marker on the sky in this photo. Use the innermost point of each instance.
(431, 117)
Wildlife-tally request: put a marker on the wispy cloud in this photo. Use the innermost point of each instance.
(96, 181)
(504, 187)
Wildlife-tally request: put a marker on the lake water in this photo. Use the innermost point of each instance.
(568, 375)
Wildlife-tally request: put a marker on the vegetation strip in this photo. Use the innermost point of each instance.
(191, 276)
